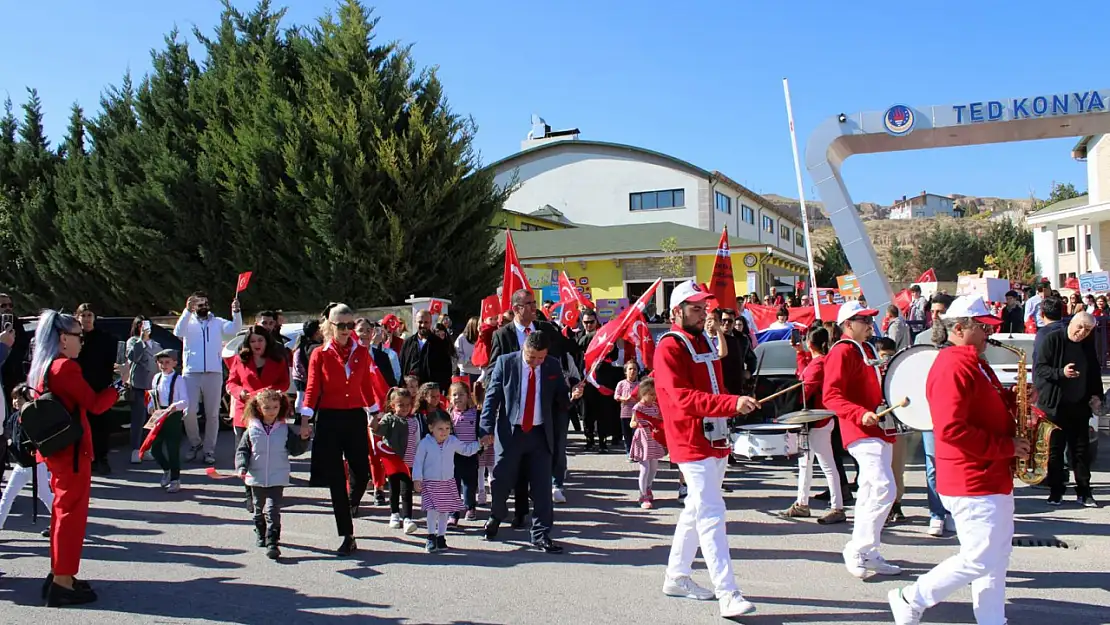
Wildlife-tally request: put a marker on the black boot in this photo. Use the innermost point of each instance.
(348, 547)
(272, 539)
(57, 597)
(260, 530)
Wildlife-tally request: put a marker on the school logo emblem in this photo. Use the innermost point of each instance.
(898, 120)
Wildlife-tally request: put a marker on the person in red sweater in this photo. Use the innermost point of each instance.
(690, 384)
(975, 449)
(852, 390)
(54, 369)
(260, 364)
(341, 393)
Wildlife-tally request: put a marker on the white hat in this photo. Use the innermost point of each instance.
(853, 309)
(688, 291)
(971, 306)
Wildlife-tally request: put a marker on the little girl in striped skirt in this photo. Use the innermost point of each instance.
(433, 476)
(485, 458)
(645, 449)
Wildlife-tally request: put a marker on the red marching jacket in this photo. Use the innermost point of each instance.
(851, 389)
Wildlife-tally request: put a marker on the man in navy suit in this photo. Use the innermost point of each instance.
(526, 404)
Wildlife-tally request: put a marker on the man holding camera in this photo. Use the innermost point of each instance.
(695, 406)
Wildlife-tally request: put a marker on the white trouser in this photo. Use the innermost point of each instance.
(20, 477)
(208, 387)
(985, 529)
(874, 497)
(702, 523)
(820, 445)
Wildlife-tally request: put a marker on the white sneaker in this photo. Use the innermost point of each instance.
(411, 527)
(685, 587)
(936, 527)
(165, 479)
(209, 458)
(859, 566)
(174, 486)
(482, 497)
(557, 496)
(734, 604)
(193, 452)
(149, 457)
(395, 521)
(903, 612)
(949, 524)
(135, 458)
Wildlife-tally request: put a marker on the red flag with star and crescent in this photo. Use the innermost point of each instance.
(514, 278)
(928, 276)
(614, 330)
(639, 334)
(721, 284)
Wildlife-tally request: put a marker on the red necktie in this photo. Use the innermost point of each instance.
(530, 402)
(527, 331)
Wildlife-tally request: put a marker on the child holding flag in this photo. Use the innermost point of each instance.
(168, 399)
(401, 430)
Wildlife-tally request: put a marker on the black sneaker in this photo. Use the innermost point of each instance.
(57, 597)
(1087, 502)
(273, 552)
(1055, 500)
(822, 496)
(430, 545)
(348, 547)
(379, 498)
(441, 543)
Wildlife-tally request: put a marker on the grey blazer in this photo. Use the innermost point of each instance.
(502, 403)
(143, 366)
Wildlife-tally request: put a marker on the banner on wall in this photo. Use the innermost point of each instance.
(540, 277)
(609, 308)
(1094, 282)
(848, 287)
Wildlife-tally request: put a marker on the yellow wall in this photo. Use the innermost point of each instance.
(605, 278)
(739, 271)
(512, 221)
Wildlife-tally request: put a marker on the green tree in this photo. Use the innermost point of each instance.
(901, 261)
(1062, 191)
(672, 264)
(832, 262)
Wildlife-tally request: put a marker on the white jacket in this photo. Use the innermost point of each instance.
(435, 462)
(202, 341)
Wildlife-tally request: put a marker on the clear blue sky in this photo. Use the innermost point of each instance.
(701, 82)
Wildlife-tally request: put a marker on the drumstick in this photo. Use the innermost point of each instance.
(779, 393)
(902, 404)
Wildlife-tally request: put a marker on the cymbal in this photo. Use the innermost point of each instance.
(799, 417)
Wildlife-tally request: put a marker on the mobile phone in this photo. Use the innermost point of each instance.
(146, 325)
(7, 320)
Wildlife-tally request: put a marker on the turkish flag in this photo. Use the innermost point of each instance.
(640, 336)
(721, 284)
(514, 278)
(902, 301)
(928, 276)
(392, 462)
(613, 331)
(243, 282)
(764, 316)
(381, 389)
(1072, 283)
(148, 442)
(482, 348)
(570, 300)
(491, 307)
(435, 307)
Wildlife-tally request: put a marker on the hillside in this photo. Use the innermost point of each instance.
(872, 211)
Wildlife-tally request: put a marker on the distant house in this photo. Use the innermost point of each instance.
(924, 206)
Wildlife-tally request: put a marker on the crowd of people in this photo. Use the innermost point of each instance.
(434, 415)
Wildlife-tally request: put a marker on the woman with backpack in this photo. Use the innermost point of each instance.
(56, 377)
(26, 468)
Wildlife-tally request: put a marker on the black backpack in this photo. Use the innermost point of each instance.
(48, 426)
(23, 454)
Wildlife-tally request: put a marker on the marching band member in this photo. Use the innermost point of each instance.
(852, 391)
(975, 446)
(689, 384)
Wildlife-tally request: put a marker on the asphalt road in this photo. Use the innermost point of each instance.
(190, 558)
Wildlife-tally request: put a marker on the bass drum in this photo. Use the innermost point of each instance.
(905, 379)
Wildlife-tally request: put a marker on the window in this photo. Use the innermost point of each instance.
(768, 224)
(1060, 245)
(1071, 244)
(747, 214)
(1071, 275)
(1087, 241)
(652, 200)
(634, 289)
(532, 228)
(799, 240)
(1063, 279)
(784, 232)
(724, 203)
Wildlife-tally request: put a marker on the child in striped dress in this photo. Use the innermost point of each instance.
(645, 449)
(465, 420)
(625, 393)
(433, 476)
(486, 457)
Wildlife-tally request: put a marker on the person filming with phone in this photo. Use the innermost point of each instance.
(138, 374)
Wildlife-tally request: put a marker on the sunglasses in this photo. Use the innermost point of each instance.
(860, 319)
(346, 325)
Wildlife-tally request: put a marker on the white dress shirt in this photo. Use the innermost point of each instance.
(520, 335)
(161, 390)
(537, 417)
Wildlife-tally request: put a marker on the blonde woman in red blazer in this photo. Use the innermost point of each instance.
(260, 365)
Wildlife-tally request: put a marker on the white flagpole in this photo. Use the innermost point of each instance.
(802, 199)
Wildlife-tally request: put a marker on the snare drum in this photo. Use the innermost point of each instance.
(766, 440)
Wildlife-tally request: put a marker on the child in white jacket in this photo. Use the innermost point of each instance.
(433, 476)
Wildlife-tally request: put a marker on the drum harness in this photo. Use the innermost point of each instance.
(715, 429)
(870, 361)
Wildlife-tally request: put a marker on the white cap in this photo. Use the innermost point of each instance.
(853, 309)
(971, 306)
(688, 291)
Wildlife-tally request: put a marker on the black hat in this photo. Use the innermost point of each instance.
(166, 353)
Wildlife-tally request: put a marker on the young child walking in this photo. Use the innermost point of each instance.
(486, 457)
(263, 461)
(26, 469)
(645, 449)
(625, 393)
(168, 399)
(402, 428)
(433, 476)
(464, 418)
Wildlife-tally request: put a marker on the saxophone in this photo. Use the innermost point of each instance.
(1031, 470)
